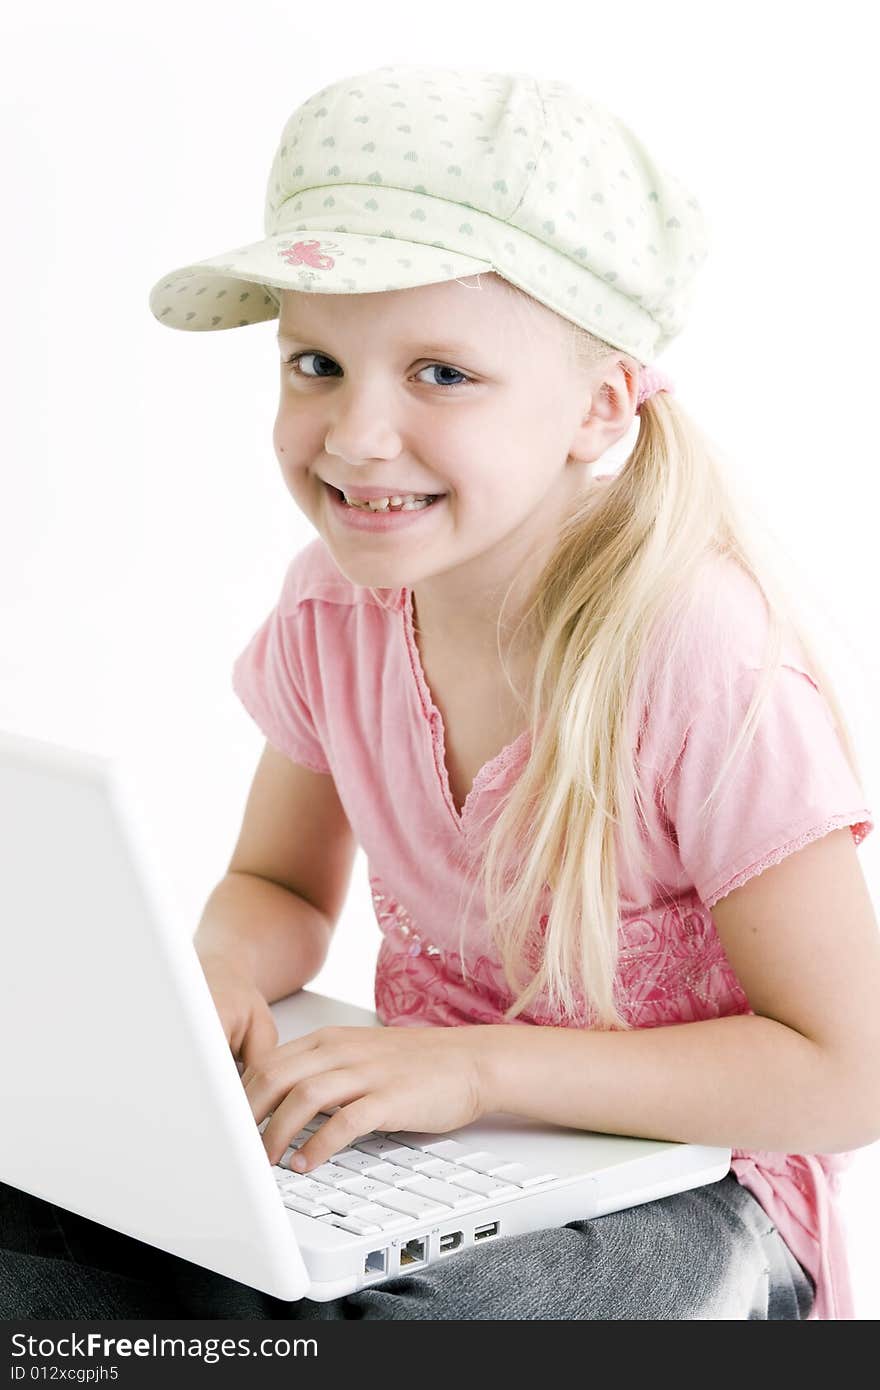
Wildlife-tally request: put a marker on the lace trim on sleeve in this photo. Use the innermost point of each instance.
(858, 821)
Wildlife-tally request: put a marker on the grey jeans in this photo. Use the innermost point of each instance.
(711, 1253)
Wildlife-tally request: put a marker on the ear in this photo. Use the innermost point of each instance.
(612, 392)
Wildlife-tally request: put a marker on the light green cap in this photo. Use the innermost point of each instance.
(409, 175)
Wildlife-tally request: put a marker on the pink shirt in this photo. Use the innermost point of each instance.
(335, 681)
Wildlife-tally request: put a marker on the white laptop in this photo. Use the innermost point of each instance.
(121, 1101)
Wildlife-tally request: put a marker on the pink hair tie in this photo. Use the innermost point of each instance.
(652, 379)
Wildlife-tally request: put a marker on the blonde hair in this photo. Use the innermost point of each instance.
(627, 561)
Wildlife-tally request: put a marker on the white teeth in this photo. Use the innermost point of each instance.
(409, 503)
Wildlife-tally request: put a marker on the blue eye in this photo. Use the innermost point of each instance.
(295, 360)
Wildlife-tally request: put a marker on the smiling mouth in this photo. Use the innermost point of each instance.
(392, 503)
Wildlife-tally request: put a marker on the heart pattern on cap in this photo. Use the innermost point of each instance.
(562, 197)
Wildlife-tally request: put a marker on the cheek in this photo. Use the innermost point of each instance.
(284, 433)
(292, 450)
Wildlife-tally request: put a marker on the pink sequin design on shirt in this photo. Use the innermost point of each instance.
(672, 969)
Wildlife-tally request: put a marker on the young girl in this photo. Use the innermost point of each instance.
(608, 797)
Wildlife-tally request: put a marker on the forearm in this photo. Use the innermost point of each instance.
(743, 1082)
(275, 937)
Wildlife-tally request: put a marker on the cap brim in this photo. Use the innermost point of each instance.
(231, 290)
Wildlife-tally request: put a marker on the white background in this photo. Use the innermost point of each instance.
(144, 526)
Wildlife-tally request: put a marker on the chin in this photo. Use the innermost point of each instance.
(367, 574)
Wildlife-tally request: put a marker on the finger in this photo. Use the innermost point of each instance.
(262, 1037)
(317, 1094)
(337, 1133)
(307, 1043)
(233, 1038)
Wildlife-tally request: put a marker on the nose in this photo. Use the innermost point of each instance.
(361, 429)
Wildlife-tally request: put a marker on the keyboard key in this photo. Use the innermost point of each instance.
(442, 1168)
(490, 1187)
(331, 1175)
(315, 1122)
(390, 1220)
(482, 1161)
(302, 1204)
(522, 1175)
(354, 1224)
(362, 1187)
(355, 1161)
(344, 1203)
(305, 1187)
(382, 1215)
(443, 1192)
(448, 1148)
(379, 1148)
(391, 1173)
(432, 1167)
(411, 1158)
(419, 1207)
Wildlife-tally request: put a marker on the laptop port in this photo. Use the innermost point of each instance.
(376, 1262)
(413, 1253)
(484, 1232)
(451, 1241)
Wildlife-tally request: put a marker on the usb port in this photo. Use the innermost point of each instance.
(483, 1232)
(451, 1241)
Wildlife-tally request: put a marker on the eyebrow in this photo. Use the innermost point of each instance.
(444, 349)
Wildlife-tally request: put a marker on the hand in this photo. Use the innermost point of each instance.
(247, 1020)
(381, 1078)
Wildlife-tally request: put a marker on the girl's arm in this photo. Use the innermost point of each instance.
(797, 1076)
(800, 1075)
(265, 930)
(272, 915)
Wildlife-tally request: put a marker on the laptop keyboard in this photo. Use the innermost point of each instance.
(386, 1182)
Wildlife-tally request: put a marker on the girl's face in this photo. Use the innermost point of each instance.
(443, 389)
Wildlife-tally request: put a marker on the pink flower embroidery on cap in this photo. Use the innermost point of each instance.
(307, 253)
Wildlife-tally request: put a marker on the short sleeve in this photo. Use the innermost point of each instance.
(267, 677)
(792, 785)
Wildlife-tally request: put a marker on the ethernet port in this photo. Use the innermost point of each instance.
(413, 1253)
